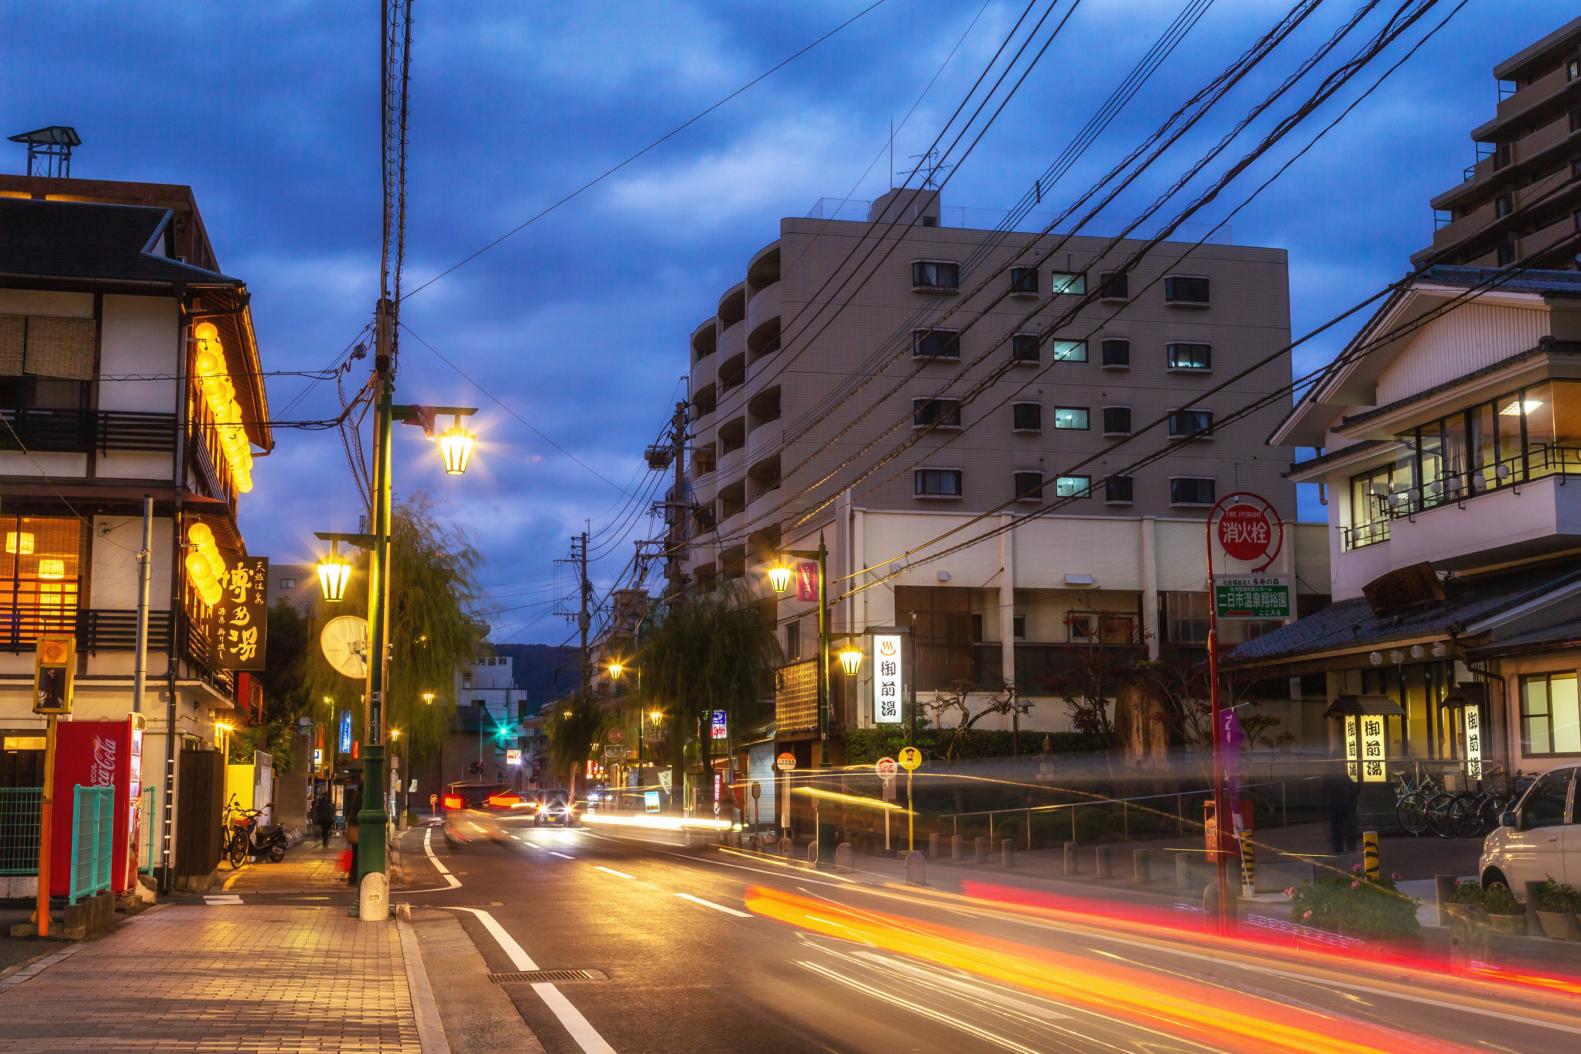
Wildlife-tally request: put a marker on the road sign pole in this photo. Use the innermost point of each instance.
(911, 818)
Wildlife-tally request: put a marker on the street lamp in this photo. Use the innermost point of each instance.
(455, 447)
(334, 573)
(780, 578)
(428, 698)
(850, 659)
(616, 669)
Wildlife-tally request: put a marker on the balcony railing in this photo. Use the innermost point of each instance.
(95, 629)
(1361, 535)
(1537, 462)
(81, 431)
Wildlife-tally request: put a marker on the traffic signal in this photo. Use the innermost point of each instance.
(54, 671)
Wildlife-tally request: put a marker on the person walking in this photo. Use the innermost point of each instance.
(324, 816)
(353, 805)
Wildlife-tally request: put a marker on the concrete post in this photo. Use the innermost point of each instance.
(787, 847)
(979, 850)
(1534, 925)
(933, 845)
(955, 848)
(812, 852)
(1444, 892)
(1141, 867)
(1007, 853)
(844, 857)
(1104, 857)
(1182, 871)
(916, 869)
(1070, 866)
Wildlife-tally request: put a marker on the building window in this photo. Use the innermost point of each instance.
(935, 344)
(1078, 628)
(1024, 348)
(1501, 205)
(1067, 282)
(1186, 618)
(1026, 417)
(1116, 354)
(1024, 280)
(1114, 285)
(1572, 69)
(793, 640)
(1190, 424)
(1029, 486)
(1068, 350)
(1186, 289)
(936, 482)
(1117, 490)
(1575, 120)
(40, 577)
(46, 363)
(1073, 417)
(1550, 715)
(940, 618)
(935, 274)
(1503, 155)
(1370, 494)
(1116, 420)
(1189, 356)
(936, 413)
(1073, 487)
(1192, 490)
(287, 583)
(1018, 627)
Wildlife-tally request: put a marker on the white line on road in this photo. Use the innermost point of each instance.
(223, 898)
(585, 1035)
(451, 881)
(716, 907)
(612, 871)
(562, 856)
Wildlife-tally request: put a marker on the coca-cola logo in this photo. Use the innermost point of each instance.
(102, 772)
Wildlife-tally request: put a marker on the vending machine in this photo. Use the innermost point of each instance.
(98, 754)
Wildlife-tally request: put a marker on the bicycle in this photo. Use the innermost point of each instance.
(233, 835)
(1410, 800)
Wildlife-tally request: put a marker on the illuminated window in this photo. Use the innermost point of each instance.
(1550, 715)
(1068, 350)
(1068, 282)
(40, 578)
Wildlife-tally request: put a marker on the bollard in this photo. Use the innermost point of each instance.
(1369, 855)
(1248, 866)
(1182, 871)
(1534, 925)
(1141, 867)
(1070, 859)
(1103, 858)
(787, 846)
(933, 845)
(844, 857)
(979, 850)
(812, 852)
(955, 848)
(1007, 853)
(916, 869)
(1444, 892)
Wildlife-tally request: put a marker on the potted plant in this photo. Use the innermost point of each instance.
(1505, 913)
(1466, 897)
(1355, 906)
(1556, 909)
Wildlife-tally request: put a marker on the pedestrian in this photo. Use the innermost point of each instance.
(353, 805)
(324, 816)
(1340, 793)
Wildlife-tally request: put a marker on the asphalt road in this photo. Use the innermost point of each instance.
(715, 950)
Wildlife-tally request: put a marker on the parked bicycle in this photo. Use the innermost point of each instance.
(1411, 797)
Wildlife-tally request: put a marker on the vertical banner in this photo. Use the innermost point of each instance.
(1372, 749)
(345, 732)
(888, 683)
(1352, 749)
(238, 624)
(807, 581)
(1473, 742)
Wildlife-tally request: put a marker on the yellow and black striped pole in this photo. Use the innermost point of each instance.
(1369, 856)
(1248, 866)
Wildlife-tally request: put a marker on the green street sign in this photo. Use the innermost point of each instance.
(1251, 596)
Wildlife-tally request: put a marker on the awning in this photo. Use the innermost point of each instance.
(1364, 706)
(1465, 694)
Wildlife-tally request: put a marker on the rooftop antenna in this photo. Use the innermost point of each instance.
(49, 150)
(931, 167)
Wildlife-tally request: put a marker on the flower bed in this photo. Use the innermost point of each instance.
(1355, 906)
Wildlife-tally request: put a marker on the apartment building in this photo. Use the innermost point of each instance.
(1522, 196)
(1013, 377)
(129, 369)
(1451, 449)
(490, 722)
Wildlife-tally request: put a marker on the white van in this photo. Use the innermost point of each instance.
(1540, 837)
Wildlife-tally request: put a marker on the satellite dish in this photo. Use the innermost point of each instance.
(344, 641)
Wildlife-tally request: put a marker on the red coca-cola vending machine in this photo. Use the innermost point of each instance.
(98, 754)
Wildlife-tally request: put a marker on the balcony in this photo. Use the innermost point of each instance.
(96, 629)
(83, 431)
(1361, 535)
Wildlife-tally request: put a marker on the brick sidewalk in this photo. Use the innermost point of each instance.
(239, 978)
(305, 869)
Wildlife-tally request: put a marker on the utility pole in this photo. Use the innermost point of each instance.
(681, 508)
(584, 590)
(145, 557)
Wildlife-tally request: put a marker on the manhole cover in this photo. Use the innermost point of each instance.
(540, 976)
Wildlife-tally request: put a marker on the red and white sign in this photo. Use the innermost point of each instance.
(785, 762)
(807, 580)
(886, 768)
(1245, 532)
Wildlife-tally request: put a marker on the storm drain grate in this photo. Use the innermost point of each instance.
(541, 976)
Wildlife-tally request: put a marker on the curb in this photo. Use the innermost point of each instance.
(425, 1010)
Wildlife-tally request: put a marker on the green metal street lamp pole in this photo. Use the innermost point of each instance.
(373, 821)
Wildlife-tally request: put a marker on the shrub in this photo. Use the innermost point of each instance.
(1498, 900)
(1354, 906)
(1558, 897)
(1468, 893)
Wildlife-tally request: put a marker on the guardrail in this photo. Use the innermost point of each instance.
(19, 815)
(92, 841)
(1125, 805)
(149, 833)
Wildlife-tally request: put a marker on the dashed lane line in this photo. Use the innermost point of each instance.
(612, 871)
(717, 907)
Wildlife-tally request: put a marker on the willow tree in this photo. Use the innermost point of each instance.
(714, 651)
(573, 727)
(433, 568)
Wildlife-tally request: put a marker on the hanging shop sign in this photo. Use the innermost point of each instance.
(1352, 748)
(237, 623)
(717, 728)
(888, 681)
(1473, 742)
(1374, 749)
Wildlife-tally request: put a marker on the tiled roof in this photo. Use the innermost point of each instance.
(1352, 624)
(1563, 633)
(1545, 346)
(1554, 283)
(83, 240)
(1340, 453)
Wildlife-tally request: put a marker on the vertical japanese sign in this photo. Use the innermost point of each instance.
(1372, 749)
(888, 681)
(807, 580)
(717, 727)
(1473, 742)
(345, 732)
(1231, 736)
(1352, 749)
(238, 625)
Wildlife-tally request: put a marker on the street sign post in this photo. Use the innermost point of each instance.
(886, 769)
(1252, 596)
(785, 762)
(910, 759)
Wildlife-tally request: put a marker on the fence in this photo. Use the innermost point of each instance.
(148, 838)
(92, 841)
(19, 809)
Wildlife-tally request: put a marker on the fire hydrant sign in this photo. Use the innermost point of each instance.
(1252, 596)
(888, 686)
(1246, 532)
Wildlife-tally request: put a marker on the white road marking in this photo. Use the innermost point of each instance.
(716, 907)
(223, 898)
(562, 856)
(532, 843)
(451, 881)
(612, 871)
(585, 1035)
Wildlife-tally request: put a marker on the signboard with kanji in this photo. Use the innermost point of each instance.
(237, 626)
(1252, 596)
(1352, 748)
(888, 682)
(1374, 750)
(1473, 742)
(718, 728)
(796, 697)
(1245, 532)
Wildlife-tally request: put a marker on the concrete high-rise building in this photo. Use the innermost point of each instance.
(799, 370)
(1522, 196)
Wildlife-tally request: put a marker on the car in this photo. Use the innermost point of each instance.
(1539, 837)
(554, 809)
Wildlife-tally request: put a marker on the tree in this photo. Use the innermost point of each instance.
(286, 695)
(956, 699)
(713, 651)
(432, 571)
(1090, 684)
(573, 728)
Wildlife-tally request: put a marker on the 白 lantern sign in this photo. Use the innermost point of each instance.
(1251, 531)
